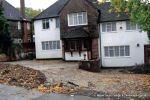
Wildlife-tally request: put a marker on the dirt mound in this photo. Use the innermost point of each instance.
(21, 76)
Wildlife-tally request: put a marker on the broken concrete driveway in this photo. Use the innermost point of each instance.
(109, 81)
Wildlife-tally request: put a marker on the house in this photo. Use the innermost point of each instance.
(77, 30)
(54, 38)
(19, 26)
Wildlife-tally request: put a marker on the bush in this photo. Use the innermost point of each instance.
(141, 69)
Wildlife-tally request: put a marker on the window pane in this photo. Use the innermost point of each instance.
(128, 25)
(50, 45)
(106, 52)
(58, 44)
(113, 26)
(111, 51)
(104, 27)
(127, 51)
(47, 45)
(80, 19)
(47, 24)
(75, 19)
(108, 27)
(43, 24)
(84, 17)
(43, 45)
(57, 23)
(122, 51)
(54, 45)
(117, 51)
(138, 26)
(133, 26)
(70, 19)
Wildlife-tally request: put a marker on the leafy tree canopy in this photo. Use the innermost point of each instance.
(139, 11)
(5, 38)
(30, 12)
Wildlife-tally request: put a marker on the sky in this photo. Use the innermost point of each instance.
(35, 4)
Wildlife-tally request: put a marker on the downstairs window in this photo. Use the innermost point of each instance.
(117, 51)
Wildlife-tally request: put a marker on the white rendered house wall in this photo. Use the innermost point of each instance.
(43, 35)
(122, 37)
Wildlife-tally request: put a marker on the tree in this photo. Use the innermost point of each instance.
(5, 37)
(30, 12)
(139, 11)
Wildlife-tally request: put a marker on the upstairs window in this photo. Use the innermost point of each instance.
(57, 22)
(131, 26)
(109, 27)
(45, 24)
(75, 19)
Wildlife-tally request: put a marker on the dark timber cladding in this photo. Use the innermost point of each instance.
(83, 36)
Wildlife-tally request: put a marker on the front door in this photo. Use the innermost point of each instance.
(147, 53)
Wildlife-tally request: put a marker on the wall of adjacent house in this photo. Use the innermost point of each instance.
(135, 39)
(51, 34)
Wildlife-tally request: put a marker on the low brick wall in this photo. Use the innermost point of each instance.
(90, 65)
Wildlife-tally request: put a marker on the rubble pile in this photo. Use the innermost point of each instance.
(59, 87)
(17, 75)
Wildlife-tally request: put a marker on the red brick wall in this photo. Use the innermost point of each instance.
(95, 52)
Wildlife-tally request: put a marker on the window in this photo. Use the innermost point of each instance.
(28, 26)
(50, 45)
(75, 19)
(109, 27)
(117, 51)
(57, 23)
(132, 26)
(45, 23)
(19, 25)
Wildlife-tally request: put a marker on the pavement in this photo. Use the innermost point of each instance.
(17, 93)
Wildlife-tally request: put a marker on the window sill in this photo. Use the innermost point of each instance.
(52, 50)
(45, 29)
(131, 30)
(77, 25)
(110, 32)
(117, 57)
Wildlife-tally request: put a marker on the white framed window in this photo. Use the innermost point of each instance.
(109, 27)
(132, 26)
(75, 19)
(57, 22)
(117, 51)
(45, 24)
(50, 45)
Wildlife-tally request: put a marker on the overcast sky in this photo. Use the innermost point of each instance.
(35, 4)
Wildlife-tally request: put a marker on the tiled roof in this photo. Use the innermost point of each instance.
(10, 12)
(53, 10)
(110, 16)
(76, 33)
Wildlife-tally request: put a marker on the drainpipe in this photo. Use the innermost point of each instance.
(100, 38)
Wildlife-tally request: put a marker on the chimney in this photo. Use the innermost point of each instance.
(22, 6)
